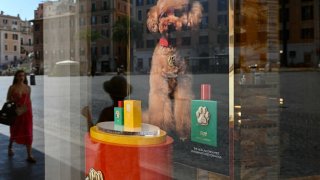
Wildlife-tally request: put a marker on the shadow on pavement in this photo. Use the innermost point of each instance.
(16, 167)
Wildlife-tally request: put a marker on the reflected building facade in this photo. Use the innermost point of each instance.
(59, 32)
(300, 33)
(257, 91)
(26, 39)
(38, 38)
(96, 21)
(12, 30)
(256, 34)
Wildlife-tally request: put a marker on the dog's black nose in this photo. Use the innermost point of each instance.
(171, 28)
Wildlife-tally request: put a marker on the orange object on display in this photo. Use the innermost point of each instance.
(118, 161)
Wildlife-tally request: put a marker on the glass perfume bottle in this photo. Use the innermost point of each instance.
(204, 118)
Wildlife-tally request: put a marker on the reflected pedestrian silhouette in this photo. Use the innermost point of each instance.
(21, 131)
(118, 89)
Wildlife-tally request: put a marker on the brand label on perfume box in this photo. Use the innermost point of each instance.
(204, 122)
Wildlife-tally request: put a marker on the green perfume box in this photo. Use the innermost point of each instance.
(204, 122)
(118, 116)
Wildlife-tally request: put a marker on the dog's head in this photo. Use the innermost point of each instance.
(173, 13)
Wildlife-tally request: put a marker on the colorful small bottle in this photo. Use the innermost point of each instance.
(118, 114)
(204, 118)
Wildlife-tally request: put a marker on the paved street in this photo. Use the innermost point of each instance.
(58, 101)
(300, 123)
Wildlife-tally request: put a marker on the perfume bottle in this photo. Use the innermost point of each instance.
(118, 114)
(204, 118)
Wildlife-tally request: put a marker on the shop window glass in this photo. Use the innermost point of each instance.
(139, 44)
(150, 43)
(105, 5)
(186, 41)
(222, 5)
(139, 15)
(307, 12)
(235, 97)
(307, 33)
(203, 40)
(93, 7)
(105, 19)
(223, 20)
(139, 2)
(150, 1)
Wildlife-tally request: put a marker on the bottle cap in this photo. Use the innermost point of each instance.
(120, 103)
(205, 91)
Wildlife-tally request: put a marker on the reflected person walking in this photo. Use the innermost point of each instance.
(21, 131)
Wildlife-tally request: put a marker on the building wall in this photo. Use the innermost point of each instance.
(10, 40)
(38, 43)
(102, 45)
(13, 45)
(59, 33)
(83, 19)
(97, 18)
(38, 38)
(26, 39)
(302, 51)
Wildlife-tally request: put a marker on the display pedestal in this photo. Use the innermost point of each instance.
(128, 161)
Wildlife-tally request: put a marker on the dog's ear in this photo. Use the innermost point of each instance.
(195, 15)
(153, 21)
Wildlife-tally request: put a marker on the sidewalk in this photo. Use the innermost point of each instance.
(16, 167)
(300, 69)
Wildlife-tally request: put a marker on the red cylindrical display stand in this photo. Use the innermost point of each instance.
(118, 161)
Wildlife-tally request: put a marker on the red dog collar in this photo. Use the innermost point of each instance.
(164, 42)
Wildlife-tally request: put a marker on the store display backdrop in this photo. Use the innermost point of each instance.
(171, 92)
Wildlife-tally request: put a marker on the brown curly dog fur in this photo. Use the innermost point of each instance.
(170, 85)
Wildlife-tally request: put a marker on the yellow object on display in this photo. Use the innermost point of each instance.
(132, 114)
(127, 139)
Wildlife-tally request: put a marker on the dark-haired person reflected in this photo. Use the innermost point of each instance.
(118, 89)
(21, 131)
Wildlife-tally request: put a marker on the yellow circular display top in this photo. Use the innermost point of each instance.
(127, 139)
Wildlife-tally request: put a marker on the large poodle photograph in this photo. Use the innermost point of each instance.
(170, 84)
